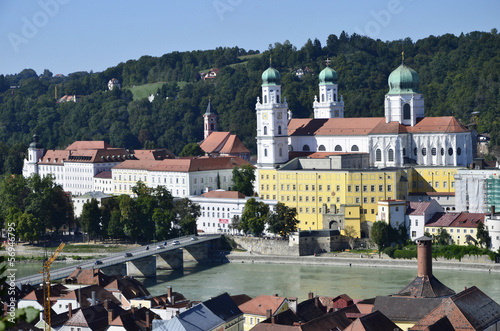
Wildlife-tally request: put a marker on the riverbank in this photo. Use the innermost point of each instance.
(360, 261)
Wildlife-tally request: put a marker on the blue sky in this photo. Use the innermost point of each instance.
(65, 36)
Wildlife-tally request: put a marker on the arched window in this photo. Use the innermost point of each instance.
(424, 151)
(281, 151)
(279, 129)
(459, 151)
(338, 148)
(265, 152)
(450, 151)
(334, 96)
(321, 148)
(322, 97)
(306, 148)
(278, 98)
(406, 112)
(354, 148)
(442, 151)
(404, 151)
(415, 151)
(391, 155)
(378, 155)
(265, 130)
(265, 98)
(212, 127)
(433, 151)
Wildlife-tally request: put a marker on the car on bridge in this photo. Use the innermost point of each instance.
(97, 262)
(128, 254)
(176, 242)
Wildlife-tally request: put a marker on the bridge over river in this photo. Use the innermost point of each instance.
(142, 261)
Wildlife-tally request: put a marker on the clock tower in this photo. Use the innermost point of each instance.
(272, 122)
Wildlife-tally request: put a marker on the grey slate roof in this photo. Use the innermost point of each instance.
(405, 308)
(198, 318)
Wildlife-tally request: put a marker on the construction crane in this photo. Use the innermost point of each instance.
(46, 285)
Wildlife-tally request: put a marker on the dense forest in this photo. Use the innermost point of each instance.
(459, 76)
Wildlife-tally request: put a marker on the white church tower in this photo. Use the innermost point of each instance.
(329, 104)
(272, 122)
(404, 103)
(35, 153)
(209, 121)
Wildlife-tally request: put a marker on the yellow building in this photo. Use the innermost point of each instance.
(312, 184)
(432, 179)
(262, 308)
(462, 227)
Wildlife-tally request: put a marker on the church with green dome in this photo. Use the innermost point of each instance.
(404, 136)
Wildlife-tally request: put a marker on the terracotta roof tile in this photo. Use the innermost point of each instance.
(234, 146)
(88, 144)
(137, 164)
(418, 208)
(445, 124)
(199, 164)
(224, 195)
(260, 305)
(214, 142)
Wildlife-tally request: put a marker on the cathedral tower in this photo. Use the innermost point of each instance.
(329, 104)
(272, 122)
(404, 103)
(35, 153)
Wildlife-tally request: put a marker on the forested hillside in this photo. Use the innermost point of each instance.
(459, 75)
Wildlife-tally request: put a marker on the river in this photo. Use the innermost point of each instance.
(202, 281)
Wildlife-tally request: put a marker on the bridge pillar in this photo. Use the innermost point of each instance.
(144, 267)
(119, 268)
(198, 253)
(170, 260)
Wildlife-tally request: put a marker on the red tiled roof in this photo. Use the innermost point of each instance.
(137, 164)
(260, 304)
(199, 164)
(224, 195)
(152, 154)
(370, 125)
(233, 146)
(88, 144)
(104, 174)
(466, 220)
(85, 155)
(418, 208)
(214, 142)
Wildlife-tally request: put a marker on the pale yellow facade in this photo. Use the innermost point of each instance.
(457, 234)
(125, 179)
(309, 190)
(432, 179)
(252, 320)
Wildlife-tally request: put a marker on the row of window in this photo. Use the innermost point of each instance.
(265, 130)
(322, 148)
(357, 188)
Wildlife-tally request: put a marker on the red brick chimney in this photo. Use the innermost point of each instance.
(70, 310)
(148, 323)
(310, 295)
(424, 256)
(269, 313)
(169, 292)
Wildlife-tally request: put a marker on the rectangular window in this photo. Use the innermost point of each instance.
(349, 188)
(320, 188)
(451, 230)
(372, 199)
(389, 188)
(373, 211)
(357, 200)
(365, 200)
(437, 184)
(307, 187)
(365, 188)
(372, 188)
(357, 188)
(312, 187)
(444, 184)
(381, 188)
(293, 187)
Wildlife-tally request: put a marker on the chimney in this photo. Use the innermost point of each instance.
(70, 310)
(310, 295)
(316, 302)
(93, 298)
(172, 301)
(424, 257)
(110, 316)
(148, 323)
(269, 313)
(275, 294)
(106, 304)
(169, 292)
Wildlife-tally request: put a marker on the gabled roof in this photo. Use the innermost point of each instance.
(362, 126)
(224, 194)
(88, 144)
(260, 305)
(84, 295)
(418, 208)
(223, 143)
(94, 317)
(223, 306)
(470, 309)
(240, 299)
(310, 309)
(152, 154)
(55, 157)
(88, 277)
(466, 220)
(405, 308)
(198, 317)
(195, 164)
(56, 291)
(129, 287)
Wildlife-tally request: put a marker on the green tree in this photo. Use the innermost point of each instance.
(90, 219)
(115, 226)
(29, 227)
(243, 179)
(283, 220)
(379, 233)
(483, 236)
(163, 220)
(254, 217)
(191, 149)
(443, 237)
(187, 213)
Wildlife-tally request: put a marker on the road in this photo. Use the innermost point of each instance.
(121, 257)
